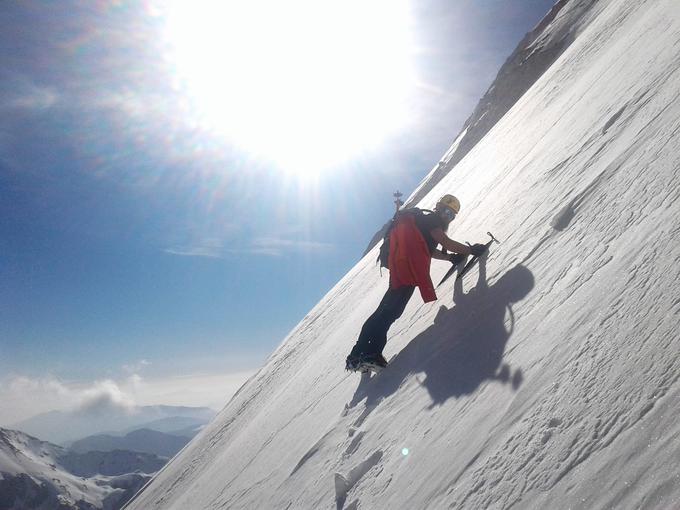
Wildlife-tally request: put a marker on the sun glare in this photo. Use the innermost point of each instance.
(306, 84)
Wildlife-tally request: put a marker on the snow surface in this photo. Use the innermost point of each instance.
(32, 470)
(35, 474)
(535, 53)
(548, 378)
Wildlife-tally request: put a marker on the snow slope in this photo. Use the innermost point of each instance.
(535, 53)
(548, 378)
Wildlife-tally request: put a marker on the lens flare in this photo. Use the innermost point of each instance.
(304, 83)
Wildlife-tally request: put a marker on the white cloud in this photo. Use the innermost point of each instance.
(20, 93)
(209, 247)
(104, 396)
(22, 397)
(138, 366)
(288, 244)
(210, 390)
(195, 251)
(276, 246)
(268, 246)
(25, 385)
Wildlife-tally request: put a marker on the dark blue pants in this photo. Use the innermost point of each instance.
(373, 336)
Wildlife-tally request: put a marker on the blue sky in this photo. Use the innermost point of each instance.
(131, 235)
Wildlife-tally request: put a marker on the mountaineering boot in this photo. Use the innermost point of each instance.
(353, 364)
(374, 362)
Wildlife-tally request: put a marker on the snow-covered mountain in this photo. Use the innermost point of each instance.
(37, 475)
(548, 378)
(63, 427)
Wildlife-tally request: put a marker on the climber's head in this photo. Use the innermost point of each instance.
(448, 207)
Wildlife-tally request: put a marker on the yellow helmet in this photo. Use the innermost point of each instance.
(451, 202)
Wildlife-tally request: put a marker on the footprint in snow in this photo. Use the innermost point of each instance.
(563, 218)
(354, 444)
(343, 484)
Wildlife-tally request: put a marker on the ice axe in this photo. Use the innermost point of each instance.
(470, 264)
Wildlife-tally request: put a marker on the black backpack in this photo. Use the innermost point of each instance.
(384, 253)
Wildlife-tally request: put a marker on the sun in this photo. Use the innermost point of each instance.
(306, 84)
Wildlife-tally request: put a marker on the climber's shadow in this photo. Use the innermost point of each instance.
(464, 346)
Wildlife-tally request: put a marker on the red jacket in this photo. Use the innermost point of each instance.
(409, 260)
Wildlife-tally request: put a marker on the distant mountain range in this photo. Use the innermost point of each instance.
(35, 474)
(112, 452)
(63, 427)
(111, 463)
(176, 425)
(142, 440)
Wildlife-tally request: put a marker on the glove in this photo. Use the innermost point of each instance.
(478, 249)
(456, 258)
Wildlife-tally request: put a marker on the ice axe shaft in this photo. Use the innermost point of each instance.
(474, 260)
(469, 264)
